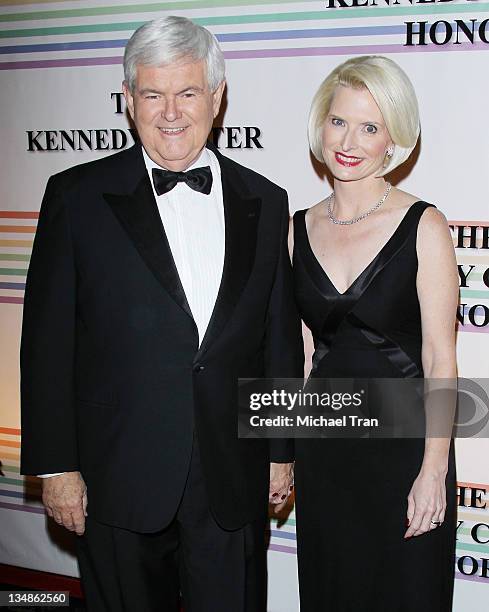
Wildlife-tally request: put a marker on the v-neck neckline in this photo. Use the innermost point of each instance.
(369, 265)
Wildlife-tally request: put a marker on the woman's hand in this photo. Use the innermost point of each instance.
(281, 484)
(427, 502)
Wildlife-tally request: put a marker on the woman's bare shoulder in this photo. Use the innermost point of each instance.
(432, 219)
(402, 199)
(432, 224)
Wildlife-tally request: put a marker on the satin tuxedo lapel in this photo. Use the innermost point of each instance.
(241, 216)
(138, 214)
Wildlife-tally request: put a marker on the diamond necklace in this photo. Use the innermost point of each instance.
(330, 201)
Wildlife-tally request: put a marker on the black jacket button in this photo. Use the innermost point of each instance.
(198, 367)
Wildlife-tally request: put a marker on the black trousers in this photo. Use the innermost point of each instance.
(213, 569)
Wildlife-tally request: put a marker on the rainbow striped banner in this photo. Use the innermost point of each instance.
(475, 297)
(64, 34)
(469, 553)
(23, 494)
(17, 230)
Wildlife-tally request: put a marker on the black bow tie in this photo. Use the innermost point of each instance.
(199, 179)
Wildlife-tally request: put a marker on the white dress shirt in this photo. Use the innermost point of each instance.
(194, 226)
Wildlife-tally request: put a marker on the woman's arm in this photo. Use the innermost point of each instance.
(437, 286)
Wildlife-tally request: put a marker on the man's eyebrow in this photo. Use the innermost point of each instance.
(191, 88)
(147, 90)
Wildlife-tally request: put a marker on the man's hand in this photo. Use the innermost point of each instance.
(65, 500)
(281, 484)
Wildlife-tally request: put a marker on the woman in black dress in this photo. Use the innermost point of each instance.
(376, 283)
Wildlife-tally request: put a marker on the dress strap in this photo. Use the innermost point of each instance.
(412, 217)
(299, 220)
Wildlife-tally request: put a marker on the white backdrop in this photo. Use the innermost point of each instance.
(59, 64)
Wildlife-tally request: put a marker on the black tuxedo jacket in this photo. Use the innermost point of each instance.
(113, 381)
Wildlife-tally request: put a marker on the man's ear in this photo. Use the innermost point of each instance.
(217, 97)
(129, 98)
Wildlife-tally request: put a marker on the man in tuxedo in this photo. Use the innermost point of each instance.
(159, 276)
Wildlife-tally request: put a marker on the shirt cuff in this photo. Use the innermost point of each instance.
(49, 475)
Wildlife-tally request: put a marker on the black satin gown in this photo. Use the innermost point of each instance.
(351, 494)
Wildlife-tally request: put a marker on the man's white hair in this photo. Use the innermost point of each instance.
(171, 39)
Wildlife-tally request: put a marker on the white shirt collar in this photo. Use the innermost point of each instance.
(204, 159)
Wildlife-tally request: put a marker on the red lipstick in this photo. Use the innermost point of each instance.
(347, 160)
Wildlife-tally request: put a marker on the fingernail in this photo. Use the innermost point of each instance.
(275, 495)
(283, 496)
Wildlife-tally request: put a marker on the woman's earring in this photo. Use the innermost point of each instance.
(388, 154)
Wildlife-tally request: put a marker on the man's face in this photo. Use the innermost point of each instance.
(173, 110)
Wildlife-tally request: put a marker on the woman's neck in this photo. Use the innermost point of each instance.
(353, 198)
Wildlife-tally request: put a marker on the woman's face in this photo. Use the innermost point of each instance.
(355, 138)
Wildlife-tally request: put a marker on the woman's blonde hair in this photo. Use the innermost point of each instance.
(392, 91)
